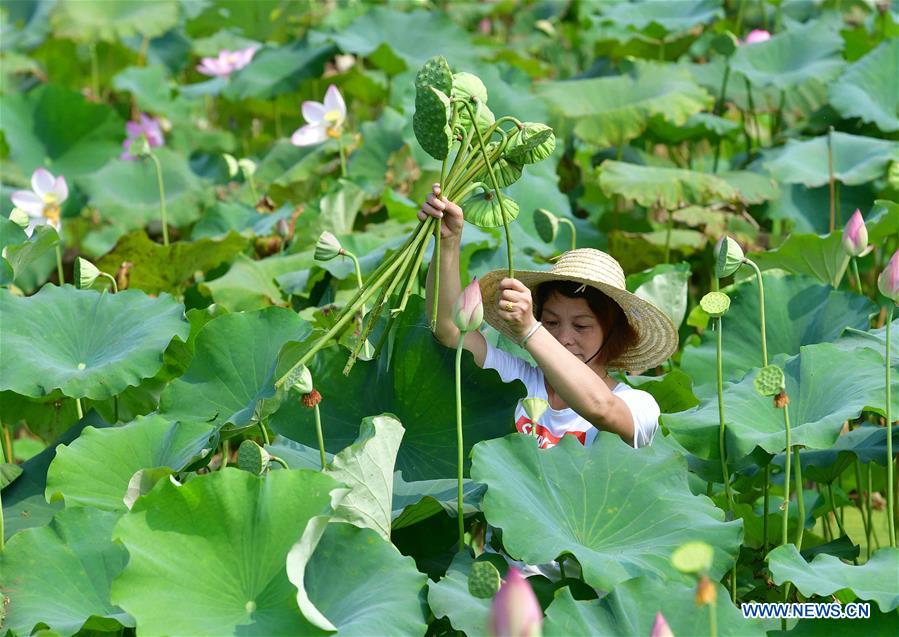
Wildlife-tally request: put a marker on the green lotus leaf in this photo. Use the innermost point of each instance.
(799, 311)
(48, 344)
(451, 598)
(234, 528)
(610, 111)
(250, 284)
(8, 473)
(59, 128)
(409, 381)
(822, 257)
(792, 57)
(805, 208)
(665, 286)
(431, 118)
(231, 377)
(278, 70)
(226, 216)
(883, 221)
(877, 624)
(635, 512)
(753, 188)
(507, 172)
(869, 88)
(95, 469)
(875, 580)
(670, 15)
(531, 143)
(630, 609)
(361, 583)
(483, 210)
(698, 126)
(158, 268)
(856, 160)
(673, 391)
(853, 338)
(60, 574)
(667, 188)
(826, 387)
(22, 255)
(112, 20)
(641, 250)
(370, 164)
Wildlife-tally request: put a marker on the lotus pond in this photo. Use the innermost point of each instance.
(222, 408)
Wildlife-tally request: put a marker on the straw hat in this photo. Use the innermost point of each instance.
(656, 334)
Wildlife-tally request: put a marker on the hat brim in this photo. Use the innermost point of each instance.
(656, 334)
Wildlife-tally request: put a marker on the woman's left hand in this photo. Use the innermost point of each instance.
(516, 306)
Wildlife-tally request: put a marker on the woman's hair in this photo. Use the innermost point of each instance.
(619, 336)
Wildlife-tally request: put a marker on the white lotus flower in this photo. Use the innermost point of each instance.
(226, 62)
(43, 203)
(323, 119)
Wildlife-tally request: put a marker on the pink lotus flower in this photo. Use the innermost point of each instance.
(515, 611)
(148, 128)
(660, 627)
(468, 310)
(757, 35)
(43, 203)
(226, 62)
(323, 119)
(855, 236)
(888, 281)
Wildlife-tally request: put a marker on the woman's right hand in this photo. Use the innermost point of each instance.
(441, 208)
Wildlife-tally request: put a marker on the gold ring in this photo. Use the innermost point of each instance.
(509, 306)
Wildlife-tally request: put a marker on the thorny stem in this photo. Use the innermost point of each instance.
(159, 182)
(459, 442)
(750, 119)
(713, 620)
(320, 436)
(60, 273)
(891, 511)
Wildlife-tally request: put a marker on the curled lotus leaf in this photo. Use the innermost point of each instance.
(506, 172)
(546, 224)
(715, 303)
(769, 380)
(431, 119)
(530, 143)
(483, 210)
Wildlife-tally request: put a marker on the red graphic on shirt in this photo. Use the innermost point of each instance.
(545, 438)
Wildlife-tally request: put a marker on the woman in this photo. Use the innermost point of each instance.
(577, 321)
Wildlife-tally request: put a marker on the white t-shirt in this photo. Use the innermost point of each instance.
(556, 423)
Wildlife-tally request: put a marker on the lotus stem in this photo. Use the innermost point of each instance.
(758, 278)
(226, 453)
(858, 499)
(60, 273)
(833, 511)
(750, 119)
(6, 444)
(668, 236)
(778, 120)
(713, 619)
(265, 437)
(786, 503)
(115, 286)
(858, 279)
(722, 449)
(78, 409)
(800, 500)
(359, 283)
(460, 456)
(719, 108)
(95, 71)
(868, 510)
(766, 503)
(891, 510)
(252, 183)
(161, 185)
(570, 224)
(320, 436)
(280, 461)
(436, 257)
(830, 179)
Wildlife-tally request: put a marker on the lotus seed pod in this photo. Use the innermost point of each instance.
(483, 210)
(728, 257)
(253, 458)
(85, 273)
(715, 303)
(231, 161)
(547, 224)
(531, 143)
(19, 217)
(327, 247)
(431, 117)
(302, 380)
(311, 399)
(468, 86)
(534, 408)
(693, 557)
(705, 592)
(483, 580)
(769, 381)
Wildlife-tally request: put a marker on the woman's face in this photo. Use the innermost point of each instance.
(573, 324)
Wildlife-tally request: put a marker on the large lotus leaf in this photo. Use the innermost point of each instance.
(668, 188)
(856, 160)
(877, 624)
(826, 387)
(630, 609)
(792, 57)
(874, 580)
(612, 110)
(207, 557)
(822, 257)
(665, 286)
(853, 338)
(450, 598)
(673, 391)
(278, 70)
(88, 344)
(869, 89)
(225, 216)
(798, 310)
(883, 221)
(671, 15)
(151, 89)
(752, 187)
(409, 381)
(807, 209)
(127, 192)
(250, 284)
(621, 512)
(60, 574)
(54, 127)
(640, 250)
(361, 583)
(700, 125)
(482, 208)
(230, 379)
(94, 470)
(369, 165)
(112, 20)
(157, 268)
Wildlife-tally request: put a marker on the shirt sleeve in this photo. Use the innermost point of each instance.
(645, 412)
(509, 366)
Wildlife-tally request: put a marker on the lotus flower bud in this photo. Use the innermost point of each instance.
(468, 310)
(327, 247)
(660, 627)
(534, 408)
(515, 611)
(757, 35)
(728, 257)
(19, 217)
(85, 273)
(888, 282)
(855, 235)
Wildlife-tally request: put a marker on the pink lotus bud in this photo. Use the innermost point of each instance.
(855, 235)
(468, 310)
(515, 611)
(660, 627)
(485, 26)
(757, 35)
(888, 282)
